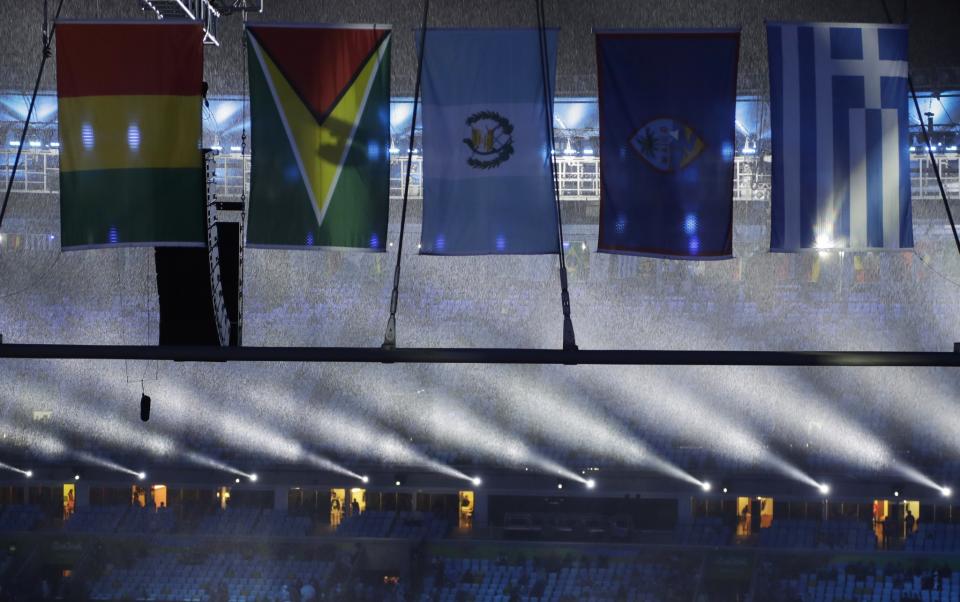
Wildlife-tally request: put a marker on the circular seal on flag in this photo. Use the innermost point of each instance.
(667, 144)
(490, 139)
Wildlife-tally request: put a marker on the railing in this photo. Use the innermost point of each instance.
(579, 176)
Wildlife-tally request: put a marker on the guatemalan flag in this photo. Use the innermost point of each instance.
(839, 114)
(667, 115)
(487, 186)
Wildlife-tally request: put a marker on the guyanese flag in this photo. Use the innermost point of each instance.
(131, 170)
(320, 108)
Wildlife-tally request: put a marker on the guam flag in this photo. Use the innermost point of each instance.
(320, 104)
(131, 171)
(667, 115)
(486, 159)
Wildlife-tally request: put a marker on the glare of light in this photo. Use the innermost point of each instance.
(913, 149)
(588, 151)
(365, 479)
(397, 483)
(946, 491)
(237, 480)
(26, 473)
(951, 148)
(141, 475)
(824, 488)
(54, 145)
(204, 460)
(133, 137)
(76, 477)
(590, 483)
(896, 494)
(253, 477)
(724, 489)
(86, 136)
(824, 241)
(216, 147)
(569, 150)
(34, 144)
(235, 149)
(559, 485)
(108, 464)
(706, 486)
(14, 143)
(476, 481)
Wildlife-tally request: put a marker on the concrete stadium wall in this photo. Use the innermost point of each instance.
(934, 53)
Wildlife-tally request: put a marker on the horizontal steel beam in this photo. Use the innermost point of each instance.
(420, 355)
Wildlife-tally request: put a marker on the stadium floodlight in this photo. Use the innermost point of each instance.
(141, 475)
(946, 491)
(253, 477)
(824, 488)
(28, 473)
(365, 479)
(559, 484)
(76, 477)
(706, 486)
(590, 483)
(476, 481)
(237, 480)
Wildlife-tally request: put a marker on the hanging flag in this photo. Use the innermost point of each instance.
(131, 170)
(320, 104)
(667, 112)
(486, 159)
(839, 115)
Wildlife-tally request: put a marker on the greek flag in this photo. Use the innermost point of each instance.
(839, 115)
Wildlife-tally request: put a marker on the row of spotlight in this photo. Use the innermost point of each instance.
(706, 486)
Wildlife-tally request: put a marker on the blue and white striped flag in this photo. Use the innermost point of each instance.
(839, 114)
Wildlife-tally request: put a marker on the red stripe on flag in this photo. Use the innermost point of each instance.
(103, 59)
(318, 62)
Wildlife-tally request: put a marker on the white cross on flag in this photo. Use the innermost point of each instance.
(839, 115)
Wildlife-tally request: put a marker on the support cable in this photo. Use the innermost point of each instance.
(390, 336)
(569, 338)
(47, 41)
(926, 138)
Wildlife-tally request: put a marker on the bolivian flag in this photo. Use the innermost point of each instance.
(131, 170)
(320, 107)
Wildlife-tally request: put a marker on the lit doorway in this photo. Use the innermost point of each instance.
(754, 514)
(465, 522)
(358, 501)
(69, 500)
(338, 498)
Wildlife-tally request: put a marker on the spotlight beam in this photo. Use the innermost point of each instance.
(24, 472)
(105, 463)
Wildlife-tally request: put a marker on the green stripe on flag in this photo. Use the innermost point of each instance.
(281, 213)
(360, 205)
(132, 206)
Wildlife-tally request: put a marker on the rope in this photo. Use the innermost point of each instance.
(390, 336)
(47, 41)
(569, 338)
(926, 140)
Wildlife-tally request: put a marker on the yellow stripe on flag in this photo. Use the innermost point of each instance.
(129, 132)
(321, 147)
